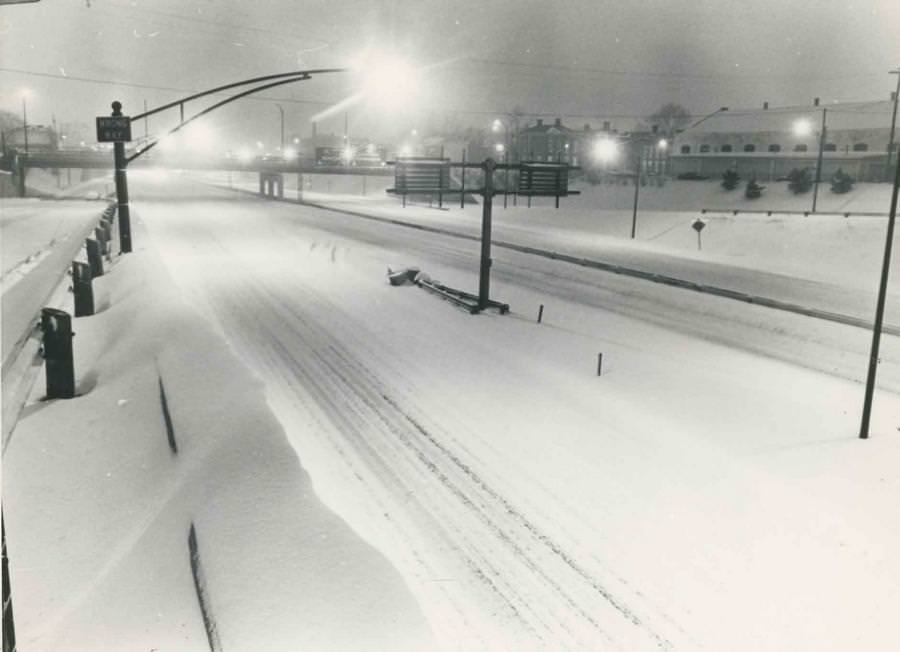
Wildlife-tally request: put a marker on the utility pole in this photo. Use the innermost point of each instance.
(819, 161)
(890, 152)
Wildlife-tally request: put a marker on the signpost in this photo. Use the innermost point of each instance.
(114, 128)
(698, 226)
(429, 176)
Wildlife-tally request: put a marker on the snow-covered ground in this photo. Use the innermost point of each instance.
(706, 491)
(98, 504)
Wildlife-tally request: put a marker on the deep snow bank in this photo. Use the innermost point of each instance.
(98, 507)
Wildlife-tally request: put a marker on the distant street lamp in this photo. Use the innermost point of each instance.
(25, 94)
(281, 111)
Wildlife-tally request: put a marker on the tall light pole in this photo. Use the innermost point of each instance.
(879, 311)
(819, 161)
(890, 148)
(281, 111)
(25, 119)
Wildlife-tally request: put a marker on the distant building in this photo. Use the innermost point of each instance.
(40, 139)
(763, 142)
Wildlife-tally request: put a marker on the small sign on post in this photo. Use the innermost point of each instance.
(698, 226)
(113, 129)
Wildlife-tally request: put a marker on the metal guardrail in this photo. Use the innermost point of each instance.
(736, 211)
(654, 277)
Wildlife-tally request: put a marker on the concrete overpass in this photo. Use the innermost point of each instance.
(271, 171)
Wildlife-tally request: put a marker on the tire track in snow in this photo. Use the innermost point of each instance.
(349, 373)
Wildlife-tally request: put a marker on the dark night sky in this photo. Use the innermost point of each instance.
(584, 60)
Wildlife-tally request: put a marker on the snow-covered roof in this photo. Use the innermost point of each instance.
(851, 115)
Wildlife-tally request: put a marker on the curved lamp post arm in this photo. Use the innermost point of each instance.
(232, 98)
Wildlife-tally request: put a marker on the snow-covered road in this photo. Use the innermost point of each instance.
(706, 492)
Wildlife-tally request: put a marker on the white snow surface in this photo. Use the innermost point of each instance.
(706, 492)
(98, 507)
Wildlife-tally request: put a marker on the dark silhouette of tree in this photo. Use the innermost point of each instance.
(841, 182)
(800, 180)
(730, 179)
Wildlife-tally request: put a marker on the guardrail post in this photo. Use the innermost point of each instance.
(95, 256)
(57, 328)
(82, 289)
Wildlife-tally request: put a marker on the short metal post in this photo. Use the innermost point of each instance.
(122, 189)
(57, 328)
(540, 313)
(94, 256)
(484, 283)
(599, 363)
(82, 289)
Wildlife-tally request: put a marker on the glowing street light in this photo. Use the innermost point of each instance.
(606, 150)
(662, 144)
(802, 128)
(500, 148)
(389, 82)
(497, 125)
(290, 154)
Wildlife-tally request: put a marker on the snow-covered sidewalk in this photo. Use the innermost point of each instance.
(99, 501)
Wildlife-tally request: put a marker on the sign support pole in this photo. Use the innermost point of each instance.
(484, 282)
(121, 176)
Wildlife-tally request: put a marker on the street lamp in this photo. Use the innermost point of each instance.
(879, 310)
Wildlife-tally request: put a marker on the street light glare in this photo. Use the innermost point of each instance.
(663, 143)
(606, 150)
(802, 128)
(390, 82)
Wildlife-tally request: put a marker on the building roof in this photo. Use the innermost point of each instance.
(850, 115)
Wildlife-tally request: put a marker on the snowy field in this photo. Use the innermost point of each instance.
(706, 492)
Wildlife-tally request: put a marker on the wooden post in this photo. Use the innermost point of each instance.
(540, 313)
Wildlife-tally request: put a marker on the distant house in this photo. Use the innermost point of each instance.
(763, 142)
(546, 142)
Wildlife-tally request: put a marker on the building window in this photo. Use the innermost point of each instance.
(726, 148)
(860, 147)
(830, 147)
(800, 148)
(704, 149)
(749, 148)
(774, 148)
(685, 149)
